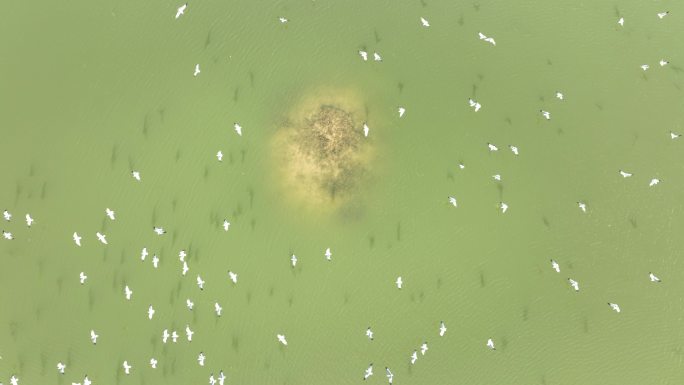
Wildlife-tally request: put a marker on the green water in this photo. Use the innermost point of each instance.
(93, 90)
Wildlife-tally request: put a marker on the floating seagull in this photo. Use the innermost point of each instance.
(614, 306)
(328, 254)
(559, 95)
(188, 332)
(293, 259)
(663, 14)
(621, 21)
(110, 213)
(7, 235)
(82, 277)
(492, 147)
(453, 202)
(546, 114)
(185, 268)
(423, 348)
(6, 214)
(218, 309)
(582, 206)
(414, 357)
(143, 254)
(365, 129)
(442, 328)
(101, 238)
(663, 62)
(200, 358)
(282, 339)
(212, 380)
(369, 333)
(490, 344)
(136, 175)
(200, 282)
(219, 156)
(226, 225)
(503, 207)
(645, 67)
(182, 254)
(283, 20)
(674, 135)
(625, 174)
(555, 266)
(376, 56)
(390, 376)
(368, 372)
(574, 284)
(77, 239)
(497, 177)
(485, 38)
(222, 377)
(476, 106)
(165, 335)
(155, 261)
(238, 129)
(174, 337)
(181, 10)
(461, 166)
(158, 230)
(424, 22)
(61, 367)
(150, 312)
(399, 282)
(513, 149)
(233, 276)
(29, 220)
(153, 363)
(364, 55)
(654, 182)
(189, 303)
(653, 277)
(86, 381)
(402, 111)
(197, 70)
(128, 292)
(93, 337)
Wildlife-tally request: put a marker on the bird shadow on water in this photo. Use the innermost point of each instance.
(115, 155)
(399, 231)
(483, 283)
(546, 222)
(633, 222)
(235, 343)
(207, 40)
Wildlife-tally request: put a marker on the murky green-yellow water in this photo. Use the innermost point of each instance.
(93, 90)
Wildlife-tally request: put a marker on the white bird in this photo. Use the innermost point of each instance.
(61, 367)
(155, 261)
(582, 206)
(188, 332)
(376, 56)
(127, 368)
(574, 284)
(93, 337)
(645, 67)
(364, 55)
(625, 174)
(136, 175)
(424, 22)
(14, 380)
(369, 333)
(102, 238)
(546, 114)
(197, 70)
(497, 177)
(233, 276)
(29, 220)
(165, 335)
(218, 308)
(174, 337)
(222, 377)
(674, 135)
(283, 20)
(389, 374)
(555, 266)
(181, 10)
(472, 103)
(414, 357)
(82, 277)
(86, 381)
(212, 380)
(181, 255)
(143, 254)
(238, 129)
(514, 149)
(503, 207)
(6, 214)
(663, 14)
(189, 303)
(654, 182)
(663, 62)
(461, 166)
(559, 95)
(153, 363)
(492, 147)
(368, 372)
(77, 239)
(402, 111)
(293, 259)
(399, 282)
(423, 348)
(200, 282)
(219, 156)
(614, 306)
(621, 21)
(328, 254)
(365, 129)
(653, 277)
(226, 225)
(282, 339)
(185, 268)
(150, 312)
(490, 344)
(128, 292)
(158, 230)
(442, 328)
(110, 213)
(7, 235)
(453, 201)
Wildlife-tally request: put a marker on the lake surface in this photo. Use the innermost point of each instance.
(94, 90)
